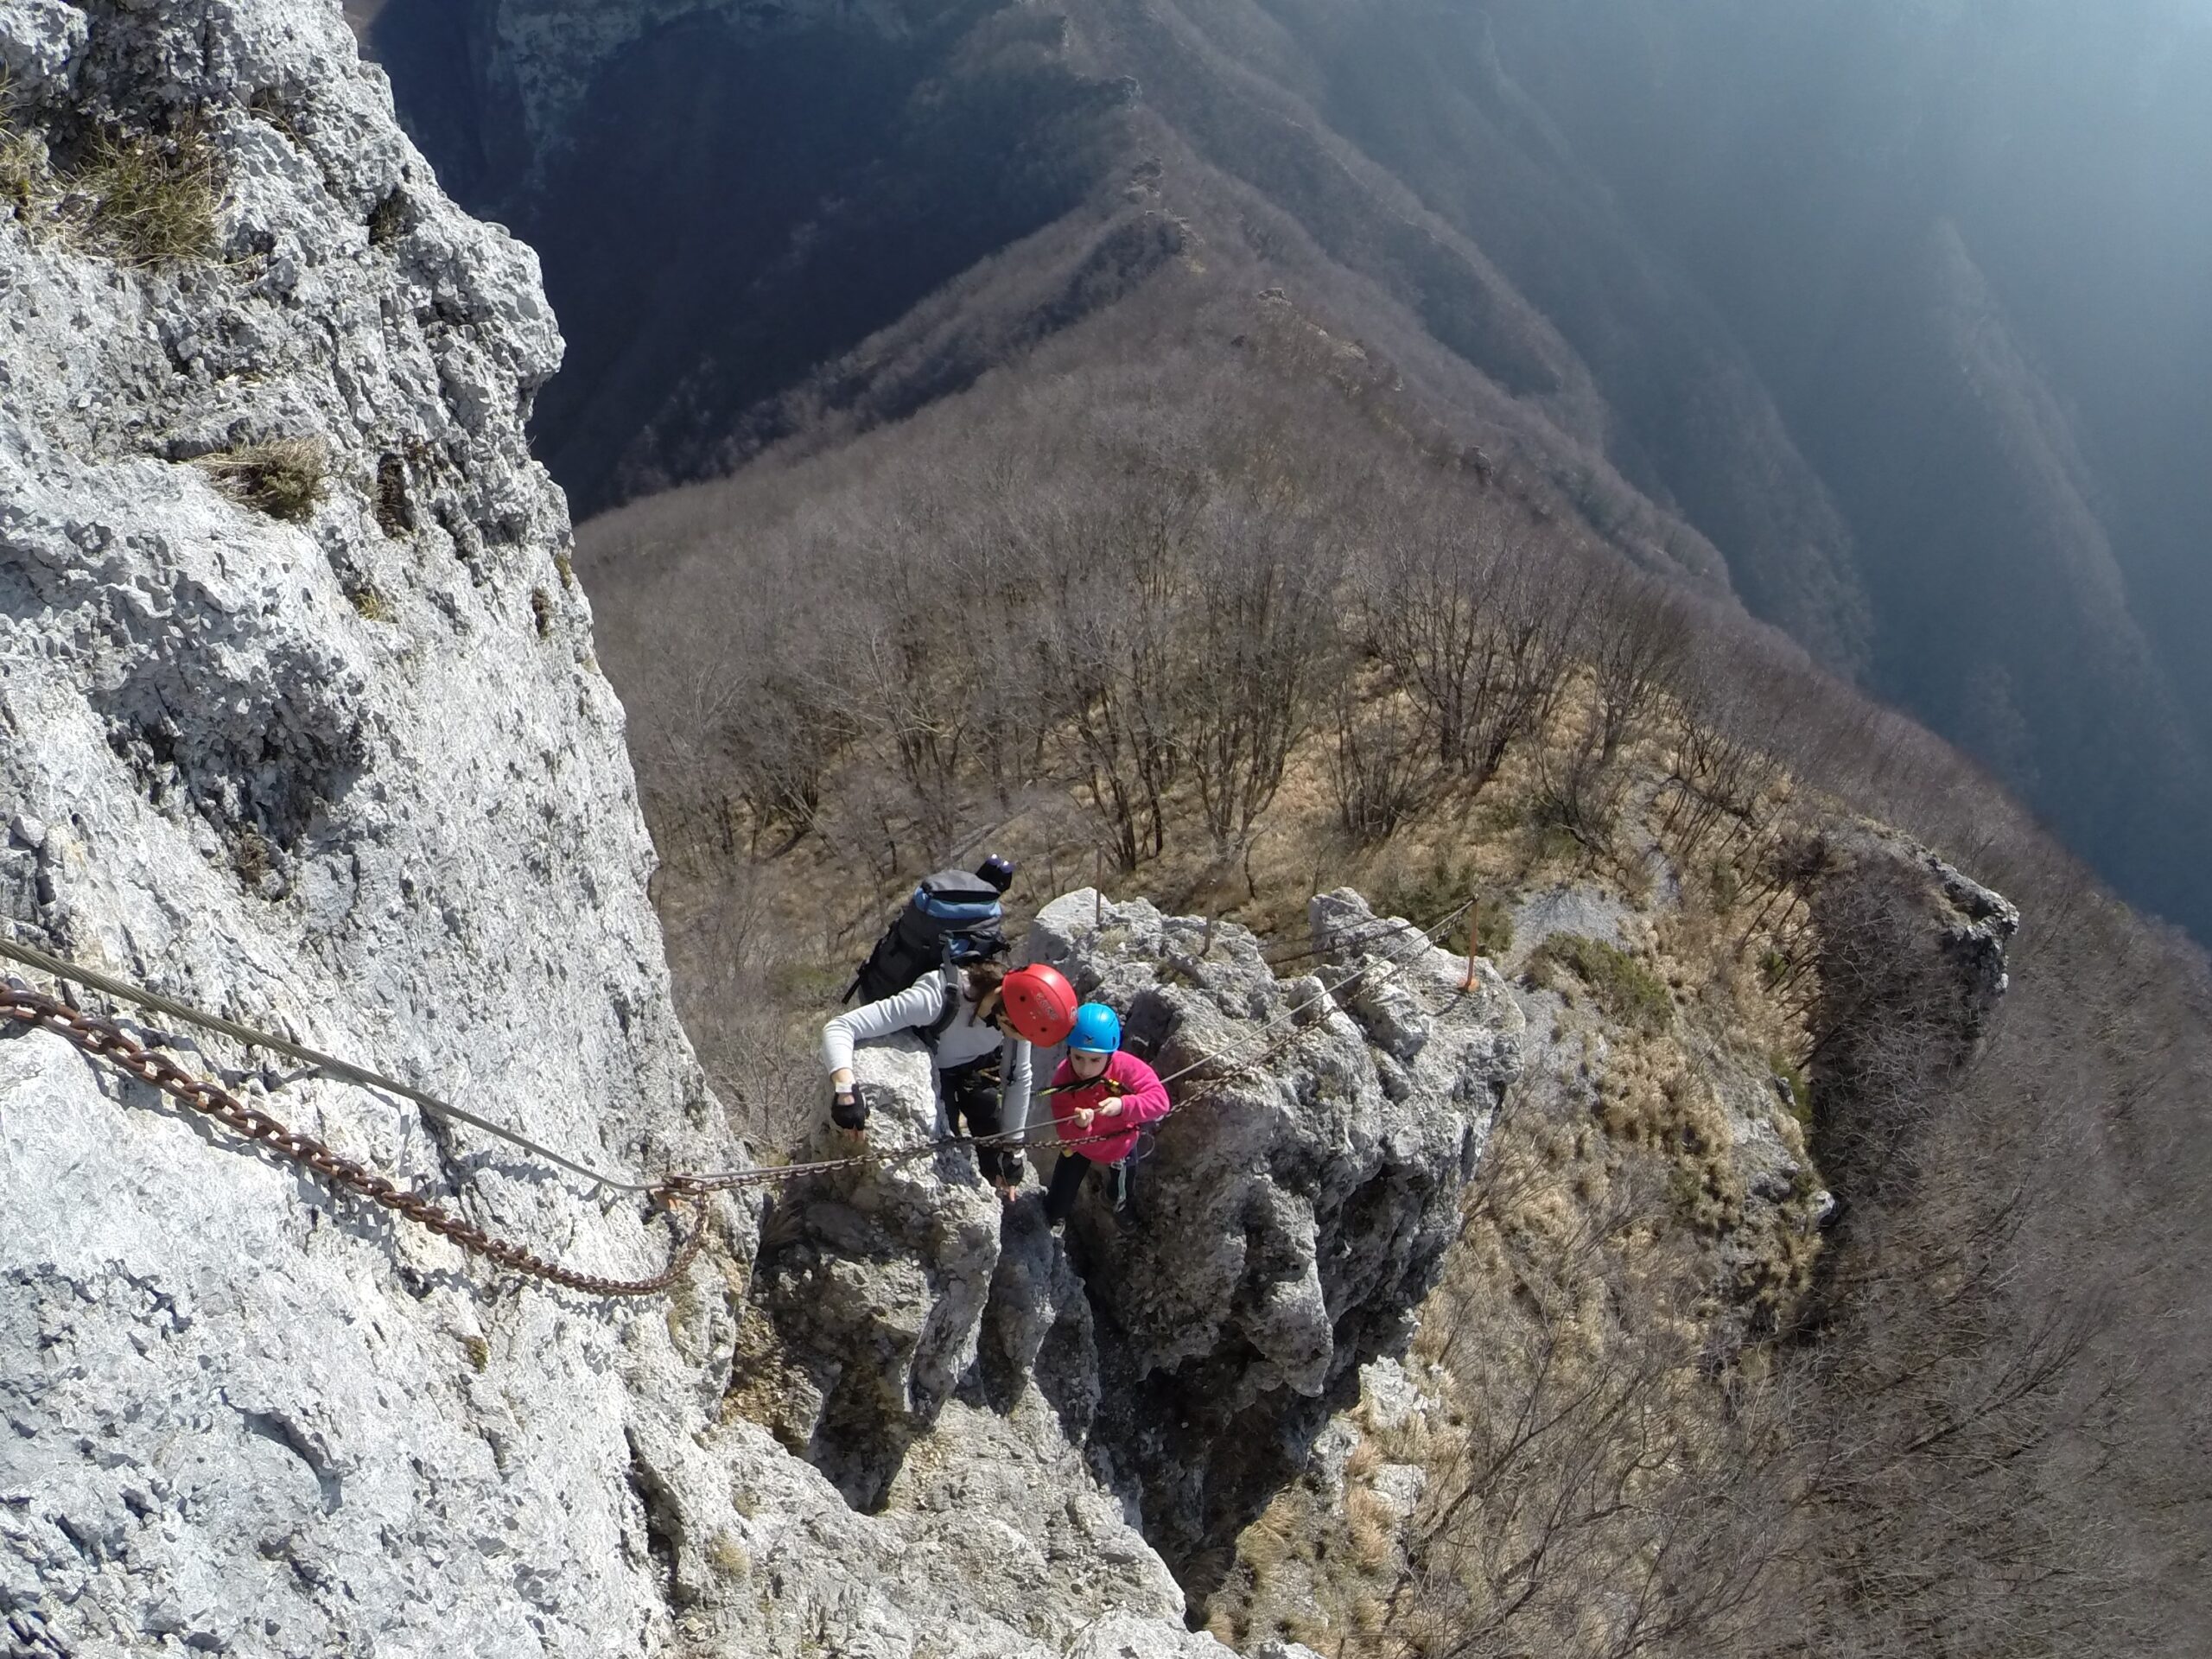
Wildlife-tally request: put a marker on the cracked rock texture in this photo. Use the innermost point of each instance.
(355, 780)
(939, 1357)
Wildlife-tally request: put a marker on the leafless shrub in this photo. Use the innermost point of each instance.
(1379, 766)
(1579, 786)
(1115, 579)
(779, 749)
(1718, 772)
(1597, 1505)
(1471, 621)
(1634, 636)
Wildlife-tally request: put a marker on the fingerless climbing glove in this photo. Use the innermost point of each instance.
(848, 1108)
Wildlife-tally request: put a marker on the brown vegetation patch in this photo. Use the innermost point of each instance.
(140, 198)
(285, 478)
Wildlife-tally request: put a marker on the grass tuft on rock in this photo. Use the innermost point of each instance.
(285, 477)
(151, 201)
(25, 179)
(138, 199)
(370, 605)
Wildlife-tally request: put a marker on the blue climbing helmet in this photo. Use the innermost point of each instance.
(1097, 1030)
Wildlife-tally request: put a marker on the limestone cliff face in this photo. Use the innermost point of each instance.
(356, 779)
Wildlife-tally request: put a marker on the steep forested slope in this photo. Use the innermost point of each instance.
(1963, 246)
(1780, 303)
(1888, 314)
(1202, 620)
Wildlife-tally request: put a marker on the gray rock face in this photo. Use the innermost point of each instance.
(1582, 910)
(875, 1281)
(1912, 965)
(903, 1331)
(38, 40)
(245, 1415)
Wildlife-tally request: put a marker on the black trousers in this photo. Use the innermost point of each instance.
(971, 1097)
(1067, 1181)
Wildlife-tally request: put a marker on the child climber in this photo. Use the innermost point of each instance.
(1102, 1099)
(979, 1023)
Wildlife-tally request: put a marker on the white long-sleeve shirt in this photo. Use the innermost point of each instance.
(964, 1040)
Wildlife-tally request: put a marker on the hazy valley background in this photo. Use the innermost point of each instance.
(1893, 319)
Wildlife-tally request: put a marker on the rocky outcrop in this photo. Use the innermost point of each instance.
(874, 1281)
(1912, 966)
(1291, 1216)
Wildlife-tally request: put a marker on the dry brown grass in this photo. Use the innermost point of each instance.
(25, 179)
(1591, 1251)
(140, 199)
(285, 478)
(1269, 1542)
(153, 200)
(137, 198)
(1366, 1458)
(1371, 1527)
(370, 604)
(728, 1557)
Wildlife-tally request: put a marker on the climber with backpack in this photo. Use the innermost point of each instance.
(935, 973)
(1103, 1097)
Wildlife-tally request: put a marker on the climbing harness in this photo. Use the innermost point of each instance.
(104, 1038)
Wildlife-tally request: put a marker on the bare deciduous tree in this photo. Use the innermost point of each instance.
(1471, 619)
(1258, 614)
(1379, 761)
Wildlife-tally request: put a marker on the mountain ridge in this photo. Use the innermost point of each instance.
(1525, 209)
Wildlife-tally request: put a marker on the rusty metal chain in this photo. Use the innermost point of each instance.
(329, 1064)
(105, 1040)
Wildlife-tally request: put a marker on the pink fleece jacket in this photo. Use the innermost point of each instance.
(1137, 1085)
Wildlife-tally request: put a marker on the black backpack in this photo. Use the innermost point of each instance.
(952, 920)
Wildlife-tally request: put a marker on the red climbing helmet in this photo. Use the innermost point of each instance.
(1040, 1004)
